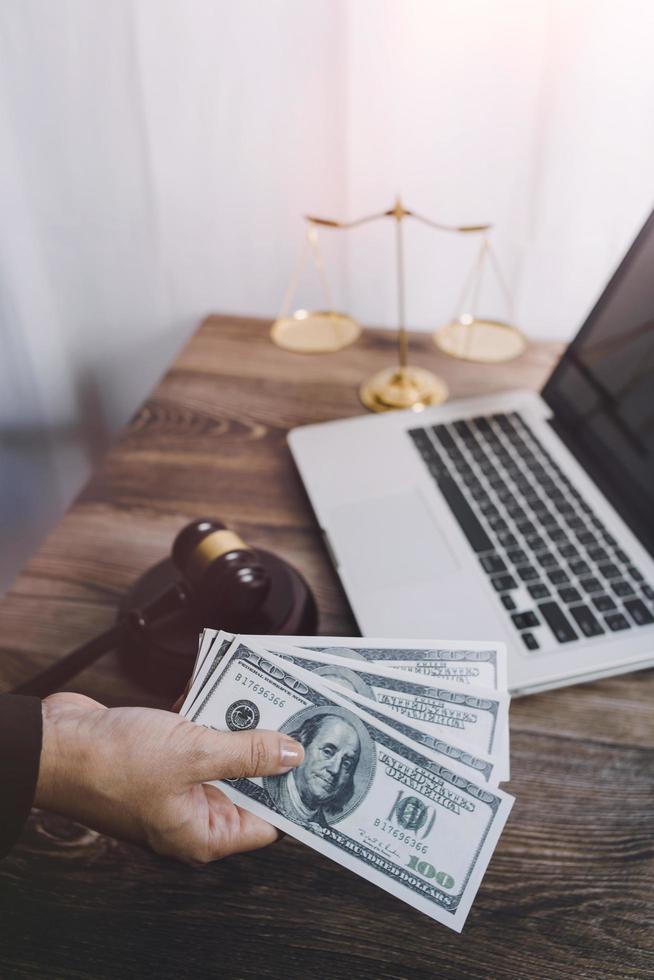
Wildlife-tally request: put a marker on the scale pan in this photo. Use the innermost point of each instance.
(485, 341)
(315, 333)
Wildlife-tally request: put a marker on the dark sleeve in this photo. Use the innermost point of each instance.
(21, 730)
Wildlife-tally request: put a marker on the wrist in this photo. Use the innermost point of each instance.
(63, 760)
(82, 773)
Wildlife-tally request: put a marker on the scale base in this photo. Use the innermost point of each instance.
(407, 387)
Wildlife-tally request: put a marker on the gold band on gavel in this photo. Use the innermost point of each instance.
(212, 547)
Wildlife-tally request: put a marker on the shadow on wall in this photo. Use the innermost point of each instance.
(33, 495)
(43, 467)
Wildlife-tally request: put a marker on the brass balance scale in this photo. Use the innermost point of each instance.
(467, 336)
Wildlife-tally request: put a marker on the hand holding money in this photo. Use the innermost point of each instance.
(143, 775)
(381, 791)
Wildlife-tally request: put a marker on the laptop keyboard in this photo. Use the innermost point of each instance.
(554, 566)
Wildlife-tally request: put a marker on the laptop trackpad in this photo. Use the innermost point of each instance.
(387, 541)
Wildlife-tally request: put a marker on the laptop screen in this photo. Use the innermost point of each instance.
(602, 392)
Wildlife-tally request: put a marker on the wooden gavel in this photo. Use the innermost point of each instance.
(214, 579)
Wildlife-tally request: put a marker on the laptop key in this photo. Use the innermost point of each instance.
(464, 514)
(536, 543)
(616, 621)
(598, 554)
(504, 583)
(473, 483)
(498, 524)
(420, 438)
(527, 573)
(570, 594)
(622, 588)
(639, 611)
(591, 584)
(557, 622)
(529, 640)
(465, 472)
(504, 423)
(587, 538)
(492, 564)
(558, 577)
(609, 570)
(508, 602)
(525, 620)
(558, 535)
(636, 575)
(506, 496)
(538, 591)
(436, 469)
(586, 621)
(579, 568)
(648, 591)
(547, 560)
(518, 556)
(444, 436)
(619, 553)
(568, 551)
(526, 528)
(507, 540)
(463, 429)
(604, 603)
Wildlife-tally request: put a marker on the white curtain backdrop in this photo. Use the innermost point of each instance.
(157, 156)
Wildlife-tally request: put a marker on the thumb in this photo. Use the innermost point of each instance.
(234, 755)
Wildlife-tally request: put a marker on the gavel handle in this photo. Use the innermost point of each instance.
(57, 674)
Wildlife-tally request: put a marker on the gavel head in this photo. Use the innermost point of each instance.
(228, 583)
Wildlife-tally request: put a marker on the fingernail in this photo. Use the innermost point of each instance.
(291, 753)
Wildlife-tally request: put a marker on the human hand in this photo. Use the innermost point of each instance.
(138, 774)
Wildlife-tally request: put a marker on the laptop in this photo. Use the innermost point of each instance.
(521, 517)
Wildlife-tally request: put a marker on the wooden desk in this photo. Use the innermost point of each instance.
(569, 891)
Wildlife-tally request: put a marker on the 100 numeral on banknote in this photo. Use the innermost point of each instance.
(365, 796)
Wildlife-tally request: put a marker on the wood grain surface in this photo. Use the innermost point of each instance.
(569, 892)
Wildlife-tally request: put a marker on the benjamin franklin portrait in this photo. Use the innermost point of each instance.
(347, 678)
(336, 772)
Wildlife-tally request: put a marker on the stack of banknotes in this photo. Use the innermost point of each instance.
(405, 744)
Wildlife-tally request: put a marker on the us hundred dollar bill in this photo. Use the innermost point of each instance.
(445, 719)
(471, 764)
(448, 661)
(365, 795)
(474, 718)
(213, 646)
